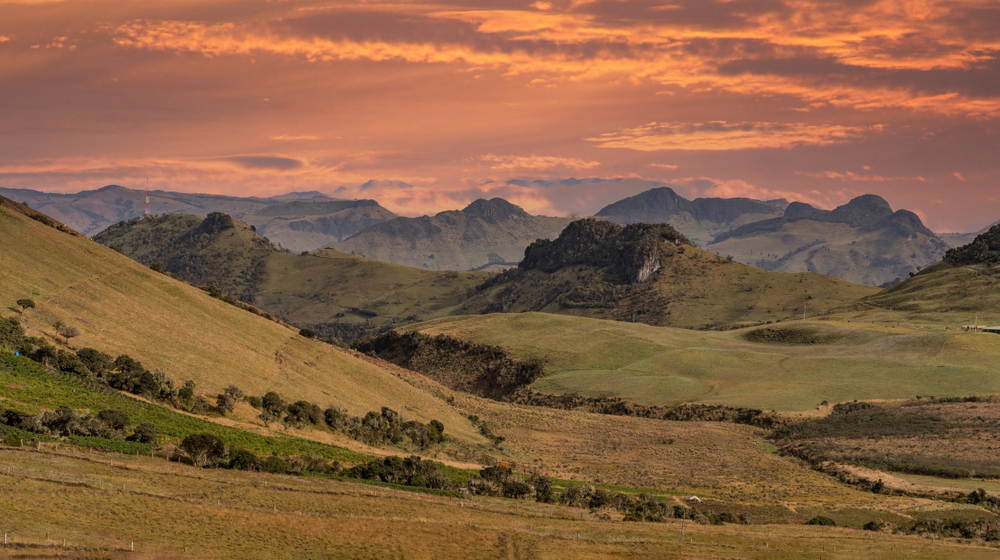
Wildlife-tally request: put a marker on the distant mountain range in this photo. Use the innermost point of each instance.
(700, 219)
(299, 221)
(649, 273)
(484, 234)
(863, 241)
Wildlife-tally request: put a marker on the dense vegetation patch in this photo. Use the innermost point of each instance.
(985, 248)
(480, 369)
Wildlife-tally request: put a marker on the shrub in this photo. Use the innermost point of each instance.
(244, 460)
(11, 333)
(26, 303)
(147, 432)
(115, 419)
(226, 401)
(68, 331)
(821, 520)
(203, 448)
(276, 465)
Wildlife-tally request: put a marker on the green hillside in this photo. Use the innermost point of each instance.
(960, 290)
(863, 241)
(122, 307)
(333, 293)
(483, 233)
(650, 274)
(792, 365)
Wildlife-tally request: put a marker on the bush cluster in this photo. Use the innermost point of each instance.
(375, 428)
(64, 421)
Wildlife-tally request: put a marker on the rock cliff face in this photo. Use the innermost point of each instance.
(631, 252)
(984, 249)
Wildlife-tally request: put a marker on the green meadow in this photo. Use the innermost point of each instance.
(667, 366)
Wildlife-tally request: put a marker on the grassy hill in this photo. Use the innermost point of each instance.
(787, 366)
(700, 219)
(955, 291)
(329, 291)
(863, 241)
(122, 307)
(483, 233)
(592, 268)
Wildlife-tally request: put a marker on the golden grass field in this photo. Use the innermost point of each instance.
(123, 307)
(166, 510)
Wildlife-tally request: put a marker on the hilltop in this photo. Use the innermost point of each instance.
(331, 292)
(863, 241)
(299, 221)
(699, 219)
(956, 290)
(484, 233)
(650, 273)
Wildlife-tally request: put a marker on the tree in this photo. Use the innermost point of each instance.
(115, 419)
(147, 432)
(25, 304)
(274, 404)
(68, 331)
(11, 333)
(227, 399)
(187, 391)
(203, 448)
(308, 333)
(243, 460)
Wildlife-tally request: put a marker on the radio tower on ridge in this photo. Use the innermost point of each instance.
(147, 197)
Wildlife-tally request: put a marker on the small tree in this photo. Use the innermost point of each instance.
(187, 391)
(203, 448)
(115, 419)
(68, 331)
(25, 304)
(227, 400)
(274, 404)
(147, 432)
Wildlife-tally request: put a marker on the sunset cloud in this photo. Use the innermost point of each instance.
(721, 135)
(770, 99)
(512, 163)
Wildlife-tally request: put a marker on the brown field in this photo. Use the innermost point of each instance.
(166, 510)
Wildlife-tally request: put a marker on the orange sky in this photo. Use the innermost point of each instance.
(442, 103)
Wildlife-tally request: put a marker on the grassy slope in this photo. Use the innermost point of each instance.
(314, 288)
(659, 365)
(940, 294)
(693, 289)
(123, 307)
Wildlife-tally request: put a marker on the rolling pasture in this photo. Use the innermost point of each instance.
(814, 361)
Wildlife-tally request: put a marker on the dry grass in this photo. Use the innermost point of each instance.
(122, 307)
(168, 510)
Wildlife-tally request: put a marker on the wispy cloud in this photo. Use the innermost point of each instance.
(722, 135)
(513, 163)
(863, 177)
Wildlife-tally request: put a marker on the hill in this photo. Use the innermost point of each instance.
(309, 225)
(122, 307)
(651, 274)
(959, 290)
(787, 366)
(333, 293)
(298, 221)
(484, 233)
(700, 219)
(863, 241)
